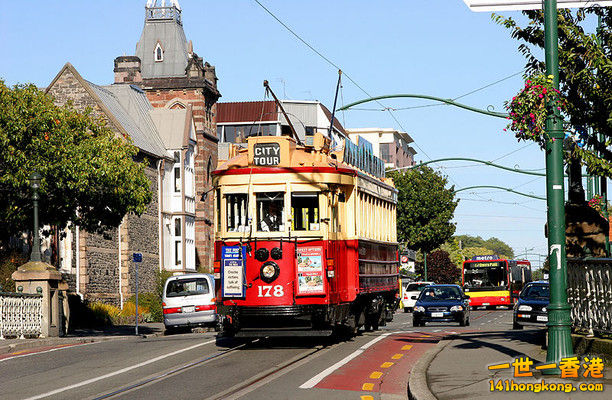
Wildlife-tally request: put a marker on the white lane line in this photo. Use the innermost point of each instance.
(319, 377)
(437, 330)
(65, 347)
(121, 371)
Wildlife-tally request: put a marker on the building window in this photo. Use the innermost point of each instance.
(209, 169)
(384, 152)
(177, 179)
(177, 252)
(177, 227)
(159, 53)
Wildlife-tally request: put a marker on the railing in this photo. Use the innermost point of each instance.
(163, 13)
(20, 315)
(589, 292)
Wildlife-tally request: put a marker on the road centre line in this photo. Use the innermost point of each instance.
(312, 382)
(121, 371)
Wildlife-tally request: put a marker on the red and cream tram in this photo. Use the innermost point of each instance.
(305, 240)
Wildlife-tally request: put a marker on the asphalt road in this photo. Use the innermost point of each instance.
(198, 366)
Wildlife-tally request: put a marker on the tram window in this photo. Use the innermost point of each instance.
(270, 207)
(305, 211)
(237, 212)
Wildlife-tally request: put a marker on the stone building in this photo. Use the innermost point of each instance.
(164, 99)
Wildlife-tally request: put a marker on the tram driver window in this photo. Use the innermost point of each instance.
(270, 207)
(305, 211)
(237, 212)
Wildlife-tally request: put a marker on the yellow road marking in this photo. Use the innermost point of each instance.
(397, 356)
(18, 352)
(423, 335)
(367, 386)
(376, 374)
(407, 347)
(367, 398)
(386, 365)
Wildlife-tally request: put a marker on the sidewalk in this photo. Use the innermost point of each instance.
(457, 369)
(83, 336)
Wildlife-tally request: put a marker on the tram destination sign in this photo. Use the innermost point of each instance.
(266, 154)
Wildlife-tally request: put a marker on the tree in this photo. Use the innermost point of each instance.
(493, 245)
(585, 75)
(440, 268)
(424, 208)
(89, 175)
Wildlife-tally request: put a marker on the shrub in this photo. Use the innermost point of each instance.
(9, 262)
(102, 314)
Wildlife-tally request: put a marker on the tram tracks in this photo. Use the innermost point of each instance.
(234, 392)
(173, 371)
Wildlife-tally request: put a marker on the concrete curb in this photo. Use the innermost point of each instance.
(36, 343)
(418, 389)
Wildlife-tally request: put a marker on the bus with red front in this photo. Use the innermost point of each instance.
(491, 281)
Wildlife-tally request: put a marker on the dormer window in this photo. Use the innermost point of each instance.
(159, 53)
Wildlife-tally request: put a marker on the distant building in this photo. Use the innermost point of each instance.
(390, 145)
(237, 121)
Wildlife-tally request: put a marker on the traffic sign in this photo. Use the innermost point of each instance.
(137, 257)
(510, 5)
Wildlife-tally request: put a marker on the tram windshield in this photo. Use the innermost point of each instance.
(485, 274)
(305, 211)
(270, 207)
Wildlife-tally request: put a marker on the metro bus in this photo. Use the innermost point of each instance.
(492, 281)
(305, 239)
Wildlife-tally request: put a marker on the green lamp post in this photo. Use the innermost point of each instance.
(35, 185)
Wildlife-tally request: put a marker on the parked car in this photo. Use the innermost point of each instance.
(189, 301)
(412, 289)
(531, 307)
(441, 303)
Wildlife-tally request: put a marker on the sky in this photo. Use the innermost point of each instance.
(429, 47)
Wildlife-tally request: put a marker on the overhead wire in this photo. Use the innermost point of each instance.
(390, 110)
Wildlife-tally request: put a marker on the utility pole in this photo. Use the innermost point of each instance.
(560, 343)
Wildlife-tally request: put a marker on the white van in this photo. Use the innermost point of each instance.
(412, 289)
(189, 300)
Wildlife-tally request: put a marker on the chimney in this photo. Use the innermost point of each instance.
(127, 70)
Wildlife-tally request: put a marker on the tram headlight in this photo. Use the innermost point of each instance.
(269, 271)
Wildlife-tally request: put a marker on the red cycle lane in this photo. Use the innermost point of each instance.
(385, 366)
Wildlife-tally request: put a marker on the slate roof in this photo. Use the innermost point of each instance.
(130, 107)
(169, 33)
(172, 126)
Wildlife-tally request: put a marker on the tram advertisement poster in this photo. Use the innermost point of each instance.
(310, 270)
(232, 271)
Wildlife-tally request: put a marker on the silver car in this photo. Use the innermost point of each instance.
(189, 301)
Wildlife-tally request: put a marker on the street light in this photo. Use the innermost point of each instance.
(35, 185)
